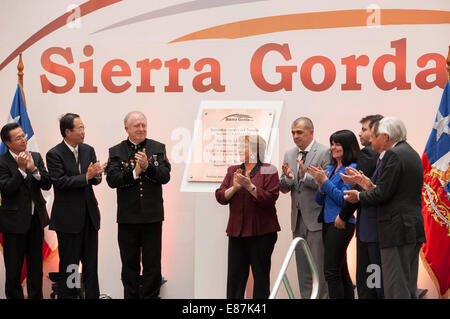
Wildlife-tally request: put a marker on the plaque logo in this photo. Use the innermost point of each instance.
(238, 118)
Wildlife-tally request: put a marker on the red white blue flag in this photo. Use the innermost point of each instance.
(436, 199)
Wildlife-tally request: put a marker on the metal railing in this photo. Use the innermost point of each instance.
(282, 275)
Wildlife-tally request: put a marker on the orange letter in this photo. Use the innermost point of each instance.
(256, 68)
(174, 66)
(399, 60)
(108, 73)
(57, 69)
(329, 73)
(439, 71)
(88, 67)
(352, 64)
(146, 66)
(214, 75)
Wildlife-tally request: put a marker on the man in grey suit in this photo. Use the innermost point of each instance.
(398, 197)
(304, 209)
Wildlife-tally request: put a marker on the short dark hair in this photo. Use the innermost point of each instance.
(371, 119)
(4, 133)
(66, 122)
(306, 122)
(349, 143)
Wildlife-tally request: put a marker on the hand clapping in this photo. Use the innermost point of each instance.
(287, 171)
(353, 177)
(95, 169)
(235, 178)
(25, 161)
(141, 159)
(242, 180)
(318, 174)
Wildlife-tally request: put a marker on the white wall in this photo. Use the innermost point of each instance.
(194, 240)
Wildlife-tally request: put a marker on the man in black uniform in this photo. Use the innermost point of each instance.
(137, 168)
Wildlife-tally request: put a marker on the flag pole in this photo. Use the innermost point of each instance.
(20, 68)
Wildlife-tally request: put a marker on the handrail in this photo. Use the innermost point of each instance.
(282, 276)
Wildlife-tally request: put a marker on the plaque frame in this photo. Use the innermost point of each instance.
(210, 187)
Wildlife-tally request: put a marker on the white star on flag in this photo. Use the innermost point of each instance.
(441, 125)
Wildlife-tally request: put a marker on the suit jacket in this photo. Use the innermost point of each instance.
(303, 193)
(398, 197)
(18, 192)
(74, 196)
(250, 216)
(331, 194)
(140, 200)
(366, 223)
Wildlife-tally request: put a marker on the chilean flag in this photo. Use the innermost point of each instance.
(436, 199)
(19, 115)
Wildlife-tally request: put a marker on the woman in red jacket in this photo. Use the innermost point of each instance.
(251, 189)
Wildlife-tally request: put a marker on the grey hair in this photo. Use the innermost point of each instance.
(306, 122)
(127, 117)
(393, 127)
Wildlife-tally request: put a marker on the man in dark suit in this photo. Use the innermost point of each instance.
(73, 168)
(23, 214)
(368, 251)
(398, 197)
(137, 168)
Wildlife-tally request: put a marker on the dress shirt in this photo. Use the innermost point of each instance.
(72, 149)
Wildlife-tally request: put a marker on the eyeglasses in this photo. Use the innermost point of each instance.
(79, 129)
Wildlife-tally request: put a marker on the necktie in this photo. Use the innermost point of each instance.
(75, 153)
(377, 171)
(303, 158)
(303, 155)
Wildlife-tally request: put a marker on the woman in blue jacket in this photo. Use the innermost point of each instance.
(344, 151)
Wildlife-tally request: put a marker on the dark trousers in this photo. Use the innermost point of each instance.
(136, 240)
(400, 266)
(16, 247)
(335, 242)
(368, 254)
(254, 252)
(74, 248)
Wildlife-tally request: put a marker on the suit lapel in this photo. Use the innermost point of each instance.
(13, 167)
(311, 154)
(12, 164)
(294, 165)
(81, 158)
(69, 156)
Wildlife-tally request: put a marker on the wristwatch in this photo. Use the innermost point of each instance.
(34, 171)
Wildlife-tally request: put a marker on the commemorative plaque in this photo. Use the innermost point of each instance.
(218, 144)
